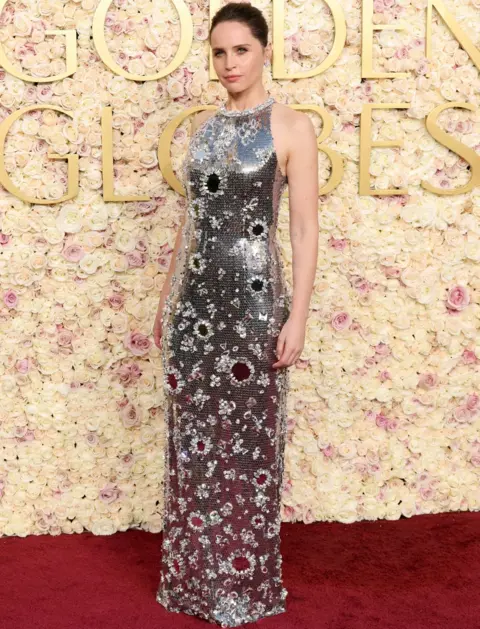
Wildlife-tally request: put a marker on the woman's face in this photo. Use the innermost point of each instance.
(238, 54)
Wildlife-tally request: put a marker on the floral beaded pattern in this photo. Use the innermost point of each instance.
(225, 408)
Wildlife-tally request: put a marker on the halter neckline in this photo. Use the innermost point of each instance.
(245, 112)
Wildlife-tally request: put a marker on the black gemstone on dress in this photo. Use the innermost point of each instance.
(258, 229)
(240, 371)
(257, 284)
(213, 182)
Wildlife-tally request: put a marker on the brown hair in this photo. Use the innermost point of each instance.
(246, 14)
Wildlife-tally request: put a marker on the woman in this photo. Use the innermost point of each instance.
(231, 332)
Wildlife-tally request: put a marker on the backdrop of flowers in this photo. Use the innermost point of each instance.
(384, 409)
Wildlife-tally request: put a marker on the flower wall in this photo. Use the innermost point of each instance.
(384, 408)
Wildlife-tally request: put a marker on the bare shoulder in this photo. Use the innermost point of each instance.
(293, 133)
(200, 117)
(293, 119)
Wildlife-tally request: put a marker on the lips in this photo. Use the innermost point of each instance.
(232, 77)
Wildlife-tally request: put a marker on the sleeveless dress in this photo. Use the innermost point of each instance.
(225, 408)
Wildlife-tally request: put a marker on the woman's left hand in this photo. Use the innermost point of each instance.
(290, 342)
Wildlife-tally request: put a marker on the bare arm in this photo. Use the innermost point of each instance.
(302, 172)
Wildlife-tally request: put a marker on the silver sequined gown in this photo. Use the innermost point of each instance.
(225, 410)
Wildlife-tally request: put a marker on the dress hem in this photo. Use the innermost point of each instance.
(274, 611)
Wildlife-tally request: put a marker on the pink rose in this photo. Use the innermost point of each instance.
(391, 271)
(341, 321)
(329, 451)
(457, 298)
(23, 365)
(44, 93)
(392, 424)
(338, 243)
(30, 94)
(422, 68)
(116, 301)
(475, 460)
(362, 285)
(10, 299)
(109, 493)
(427, 493)
(428, 381)
(127, 459)
(64, 337)
(118, 28)
(142, 245)
(382, 349)
(137, 343)
(469, 357)
(84, 149)
(463, 414)
(473, 402)
(382, 420)
(92, 438)
(129, 374)
(73, 253)
(136, 259)
(130, 416)
(4, 238)
(402, 53)
(23, 434)
(39, 148)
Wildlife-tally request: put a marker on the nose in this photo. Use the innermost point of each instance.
(229, 62)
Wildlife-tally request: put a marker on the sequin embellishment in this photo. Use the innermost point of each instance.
(225, 407)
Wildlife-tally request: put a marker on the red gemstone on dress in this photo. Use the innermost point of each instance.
(197, 521)
(201, 446)
(241, 563)
(172, 380)
(261, 479)
(241, 371)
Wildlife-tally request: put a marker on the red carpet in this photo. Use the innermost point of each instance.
(415, 573)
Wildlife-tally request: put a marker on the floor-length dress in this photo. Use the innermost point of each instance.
(225, 410)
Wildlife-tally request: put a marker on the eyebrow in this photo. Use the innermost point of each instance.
(237, 46)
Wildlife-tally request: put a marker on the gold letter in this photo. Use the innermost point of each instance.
(71, 57)
(468, 154)
(367, 43)
(165, 142)
(107, 161)
(278, 66)
(366, 144)
(453, 25)
(186, 35)
(72, 189)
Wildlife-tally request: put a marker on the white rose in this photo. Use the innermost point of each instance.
(125, 241)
